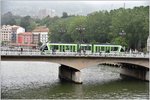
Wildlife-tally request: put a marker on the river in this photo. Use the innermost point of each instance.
(39, 80)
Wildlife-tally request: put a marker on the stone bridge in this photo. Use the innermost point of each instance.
(71, 65)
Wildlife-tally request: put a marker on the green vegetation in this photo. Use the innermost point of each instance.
(100, 27)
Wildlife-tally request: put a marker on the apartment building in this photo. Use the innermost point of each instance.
(9, 33)
(43, 33)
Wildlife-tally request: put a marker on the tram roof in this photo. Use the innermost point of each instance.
(108, 44)
(63, 43)
(84, 44)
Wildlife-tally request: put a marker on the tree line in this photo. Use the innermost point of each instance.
(101, 27)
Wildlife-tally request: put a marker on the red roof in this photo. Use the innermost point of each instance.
(26, 33)
(41, 29)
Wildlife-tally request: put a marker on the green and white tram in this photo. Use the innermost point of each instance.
(59, 47)
(85, 48)
(107, 48)
(81, 48)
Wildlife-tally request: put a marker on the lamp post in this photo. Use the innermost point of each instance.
(122, 33)
(80, 29)
(62, 31)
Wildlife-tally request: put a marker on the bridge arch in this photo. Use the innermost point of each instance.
(76, 63)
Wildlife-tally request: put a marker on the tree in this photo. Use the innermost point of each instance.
(64, 15)
(103, 27)
(8, 19)
(66, 38)
(134, 22)
(98, 26)
(120, 41)
(28, 23)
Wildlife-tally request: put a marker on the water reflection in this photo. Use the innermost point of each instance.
(39, 80)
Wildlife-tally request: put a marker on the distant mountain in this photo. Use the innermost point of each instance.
(32, 8)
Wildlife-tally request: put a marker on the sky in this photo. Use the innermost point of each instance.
(31, 7)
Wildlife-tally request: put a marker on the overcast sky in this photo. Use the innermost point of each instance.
(28, 7)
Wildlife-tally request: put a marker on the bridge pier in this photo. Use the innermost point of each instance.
(135, 72)
(147, 76)
(69, 74)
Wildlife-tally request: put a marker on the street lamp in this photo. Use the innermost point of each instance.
(80, 29)
(122, 33)
(62, 31)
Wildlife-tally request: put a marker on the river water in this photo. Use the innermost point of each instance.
(39, 80)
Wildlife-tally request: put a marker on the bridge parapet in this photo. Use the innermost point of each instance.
(80, 61)
(38, 53)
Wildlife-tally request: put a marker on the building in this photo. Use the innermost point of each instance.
(9, 34)
(36, 39)
(46, 12)
(25, 39)
(148, 44)
(15, 31)
(43, 33)
(6, 32)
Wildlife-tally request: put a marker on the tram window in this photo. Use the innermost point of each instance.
(63, 48)
(115, 48)
(67, 47)
(122, 50)
(73, 48)
(56, 47)
(51, 47)
(88, 48)
(112, 48)
(60, 48)
(107, 49)
(83, 47)
(45, 48)
(102, 48)
(99, 49)
(96, 49)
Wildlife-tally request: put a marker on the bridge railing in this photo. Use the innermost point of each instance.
(38, 53)
(20, 53)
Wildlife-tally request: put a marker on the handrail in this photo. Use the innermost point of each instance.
(38, 53)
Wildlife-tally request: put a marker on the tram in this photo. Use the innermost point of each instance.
(78, 48)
